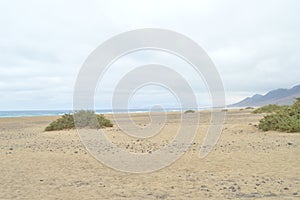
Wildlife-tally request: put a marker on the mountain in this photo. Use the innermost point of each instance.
(279, 96)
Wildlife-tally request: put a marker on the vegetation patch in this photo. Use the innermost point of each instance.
(284, 118)
(271, 108)
(83, 119)
(189, 111)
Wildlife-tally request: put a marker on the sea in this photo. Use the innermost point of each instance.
(32, 113)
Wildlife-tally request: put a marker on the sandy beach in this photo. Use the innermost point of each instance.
(246, 163)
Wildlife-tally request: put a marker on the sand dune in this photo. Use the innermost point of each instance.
(245, 164)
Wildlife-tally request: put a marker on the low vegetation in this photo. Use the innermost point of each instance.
(189, 111)
(271, 108)
(83, 119)
(283, 118)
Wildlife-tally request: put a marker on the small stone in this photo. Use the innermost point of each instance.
(10, 148)
(295, 193)
(75, 151)
(290, 143)
(232, 188)
(286, 188)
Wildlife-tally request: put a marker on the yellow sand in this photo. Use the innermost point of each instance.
(246, 163)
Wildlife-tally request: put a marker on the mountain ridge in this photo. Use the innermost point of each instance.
(280, 96)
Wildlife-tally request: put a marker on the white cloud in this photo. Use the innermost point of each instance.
(254, 44)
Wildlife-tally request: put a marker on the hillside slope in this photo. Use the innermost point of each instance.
(278, 96)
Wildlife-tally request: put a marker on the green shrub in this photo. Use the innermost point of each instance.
(83, 119)
(286, 119)
(189, 111)
(65, 122)
(249, 108)
(103, 122)
(271, 108)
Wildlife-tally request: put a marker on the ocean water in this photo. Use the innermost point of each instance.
(31, 113)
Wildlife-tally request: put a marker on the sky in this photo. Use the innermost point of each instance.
(254, 44)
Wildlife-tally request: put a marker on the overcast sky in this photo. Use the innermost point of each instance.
(255, 45)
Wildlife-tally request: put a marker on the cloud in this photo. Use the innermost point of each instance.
(254, 44)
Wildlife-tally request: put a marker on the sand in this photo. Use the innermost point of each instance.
(246, 163)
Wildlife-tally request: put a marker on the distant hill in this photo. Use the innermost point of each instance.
(279, 96)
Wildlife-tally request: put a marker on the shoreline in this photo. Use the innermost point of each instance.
(107, 112)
